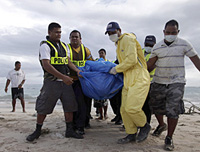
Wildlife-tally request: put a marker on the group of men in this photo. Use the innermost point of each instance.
(159, 92)
(167, 87)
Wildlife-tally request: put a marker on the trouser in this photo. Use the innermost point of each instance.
(80, 114)
(115, 103)
(133, 99)
(88, 109)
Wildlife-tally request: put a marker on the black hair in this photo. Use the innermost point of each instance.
(53, 25)
(172, 23)
(75, 31)
(102, 50)
(17, 62)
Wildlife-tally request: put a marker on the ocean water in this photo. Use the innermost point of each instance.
(31, 91)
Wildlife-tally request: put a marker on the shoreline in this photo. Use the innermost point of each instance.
(102, 136)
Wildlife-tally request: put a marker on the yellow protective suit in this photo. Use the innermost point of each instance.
(136, 82)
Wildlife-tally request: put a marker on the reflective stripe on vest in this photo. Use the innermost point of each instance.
(80, 63)
(147, 55)
(147, 59)
(58, 60)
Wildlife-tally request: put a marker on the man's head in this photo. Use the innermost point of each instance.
(102, 53)
(75, 38)
(17, 65)
(54, 31)
(113, 30)
(150, 41)
(171, 30)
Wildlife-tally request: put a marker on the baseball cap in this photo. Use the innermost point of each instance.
(111, 27)
(150, 39)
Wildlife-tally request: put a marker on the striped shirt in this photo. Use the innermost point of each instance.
(170, 66)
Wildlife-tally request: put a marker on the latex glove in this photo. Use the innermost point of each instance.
(113, 71)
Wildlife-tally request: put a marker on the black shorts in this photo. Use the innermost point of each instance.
(100, 103)
(17, 93)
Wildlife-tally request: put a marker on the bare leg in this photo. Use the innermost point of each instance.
(23, 104)
(105, 111)
(40, 118)
(101, 113)
(160, 120)
(171, 126)
(13, 105)
(68, 116)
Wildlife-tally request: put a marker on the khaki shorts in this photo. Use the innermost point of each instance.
(50, 93)
(167, 99)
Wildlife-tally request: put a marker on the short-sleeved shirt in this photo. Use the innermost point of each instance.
(170, 66)
(44, 52)
(16, 77)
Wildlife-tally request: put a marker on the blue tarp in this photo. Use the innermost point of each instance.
(97, 83)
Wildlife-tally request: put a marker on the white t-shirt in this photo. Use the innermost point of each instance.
(16, 77)
(170, 66)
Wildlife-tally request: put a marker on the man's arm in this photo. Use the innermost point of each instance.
(129, 47)
(196, 61)
(89, 55)
(49, 68)
(21, 84)
(7, 84)
(151, 63)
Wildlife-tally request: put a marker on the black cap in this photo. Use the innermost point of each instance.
(111, 27)
(150, 39)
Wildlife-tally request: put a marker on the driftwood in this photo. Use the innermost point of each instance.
(192, 109)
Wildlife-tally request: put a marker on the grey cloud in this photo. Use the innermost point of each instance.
(91, 21)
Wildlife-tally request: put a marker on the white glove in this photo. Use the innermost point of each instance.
(113, 71)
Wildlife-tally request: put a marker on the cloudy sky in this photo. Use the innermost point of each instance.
(24, 24)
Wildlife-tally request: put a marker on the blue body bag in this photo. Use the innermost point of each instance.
(97, 83)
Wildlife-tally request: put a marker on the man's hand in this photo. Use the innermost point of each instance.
(67, 80)
(6, 89)
(78, 73)
(113, 71)
(20, 86)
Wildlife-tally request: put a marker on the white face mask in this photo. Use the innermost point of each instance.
(113, 37)
(148, 49)
(170, 38)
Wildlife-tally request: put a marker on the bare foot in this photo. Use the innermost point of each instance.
(105, 117)
(13, 111)
(24, 111)
(99, 118)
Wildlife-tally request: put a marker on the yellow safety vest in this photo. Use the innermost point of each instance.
(79, 63)
(147, 59)
(58, 60)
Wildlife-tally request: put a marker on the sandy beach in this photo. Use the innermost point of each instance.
(101, 137)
